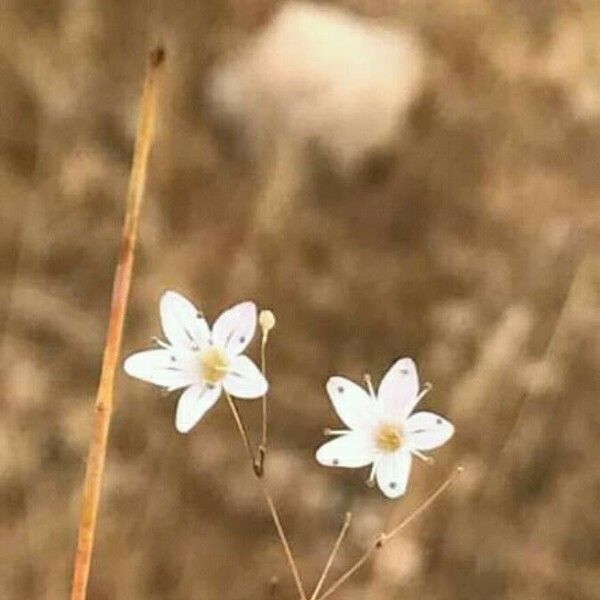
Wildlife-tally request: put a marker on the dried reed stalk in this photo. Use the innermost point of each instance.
(120, 294)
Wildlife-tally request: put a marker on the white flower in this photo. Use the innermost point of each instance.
(199, 360)
(382, 430)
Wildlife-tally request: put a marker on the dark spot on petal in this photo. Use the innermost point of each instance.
(173, 358)
(438, 421)
(242, 340)
(340, 389)
(335, 462)
(200, 314)
(404, 371)
(393, 485)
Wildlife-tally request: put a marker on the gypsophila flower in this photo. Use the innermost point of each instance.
(383, 433)
(203, 361)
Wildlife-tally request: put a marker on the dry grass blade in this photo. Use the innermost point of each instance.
(122, 282)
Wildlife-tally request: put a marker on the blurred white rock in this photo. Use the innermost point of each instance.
(324, 75)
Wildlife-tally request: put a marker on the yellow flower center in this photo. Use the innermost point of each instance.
(389, 438)
(214, 364)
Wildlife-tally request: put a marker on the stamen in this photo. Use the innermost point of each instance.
(160, 343)
(389, 438)
(427, 387)
(370, 482)
(428, 459)
(369, 383)
(214, 364)
(328, 431)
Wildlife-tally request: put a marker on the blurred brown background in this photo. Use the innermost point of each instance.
(431, 193)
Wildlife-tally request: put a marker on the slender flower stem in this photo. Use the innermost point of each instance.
(241, 427)
(269, 500)
(385, 537)
(120, 294)
(262, 448)
(332, 556)
(286, 546)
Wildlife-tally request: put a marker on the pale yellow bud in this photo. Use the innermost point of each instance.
(266, 320)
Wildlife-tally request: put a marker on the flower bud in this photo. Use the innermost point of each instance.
(266, 320)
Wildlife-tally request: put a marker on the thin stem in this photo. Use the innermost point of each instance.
(262, 448)
(332, 556)
(269, 500)
(120, 295)
(241, 428)
(282, 537)
(385, 537)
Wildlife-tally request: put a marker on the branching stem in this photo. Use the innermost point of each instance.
(332, 555)
(269, 500)
(384, 537)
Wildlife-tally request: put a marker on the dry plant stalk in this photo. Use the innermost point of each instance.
(120, 294)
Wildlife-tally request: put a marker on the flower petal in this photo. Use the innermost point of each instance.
(352, 403)
(164, 367)
(399, 389)
(244, 379)
(193, 405)
(183, 324)
(392, 473)
(349, 450)
(426, 431)
(234, 329)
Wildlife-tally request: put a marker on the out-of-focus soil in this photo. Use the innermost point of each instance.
(471, 245)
